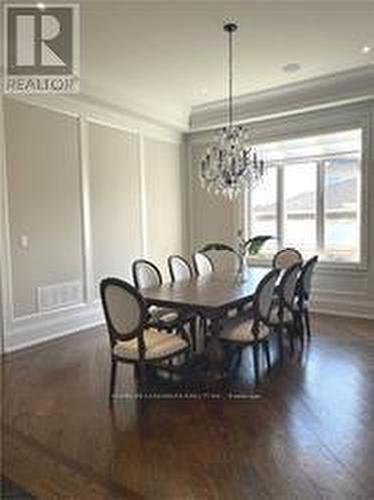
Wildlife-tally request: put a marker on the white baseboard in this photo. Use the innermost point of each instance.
(29, 331)
(349, 307)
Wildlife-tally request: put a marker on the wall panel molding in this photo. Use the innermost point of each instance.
(31, 329)
(88, 277)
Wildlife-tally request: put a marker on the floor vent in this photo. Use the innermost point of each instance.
(59, 295)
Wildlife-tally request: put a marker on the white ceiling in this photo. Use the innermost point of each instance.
(162, 55)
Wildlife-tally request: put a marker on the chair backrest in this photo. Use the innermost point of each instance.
(179, 268)
(286, 258)
(202, 263)
(288, 285)
(305, 280)
(264, 295)
(146, 274)
(124, 309)
(224, 260)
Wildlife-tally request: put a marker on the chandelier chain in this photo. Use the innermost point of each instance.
(231, 164)
(230, 81)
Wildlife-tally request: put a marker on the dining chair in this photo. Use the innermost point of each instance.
(304, 289)
(204, 266)
(254, 332)
(202, 263)
(131, 341)
(284, 312)
(147, 275)
(179, 268)
(286, 257)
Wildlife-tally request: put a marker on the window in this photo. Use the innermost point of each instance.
(310, 196)
(300, 218)
(264, 208)
(341, 209)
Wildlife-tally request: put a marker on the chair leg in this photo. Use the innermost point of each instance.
(267, 354)
(113, 372)
(300, 324)
(280, 342)
(204, 331)
(307, 323)
(193, 333)
(256, 362)
(238, 360)
(298, 329)
(141, 376)
(291, 340)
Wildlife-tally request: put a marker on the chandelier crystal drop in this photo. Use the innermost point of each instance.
(231, 164)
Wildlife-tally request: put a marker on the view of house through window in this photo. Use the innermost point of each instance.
(310, 196)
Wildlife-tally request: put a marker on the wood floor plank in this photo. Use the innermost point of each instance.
(308, 436)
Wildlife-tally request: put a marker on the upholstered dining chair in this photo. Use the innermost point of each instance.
(202, 263)
(284, 312)
(147, 275)
(254, 332)
(304, 290)
(131, 341)
(179, 268)
(286, 257)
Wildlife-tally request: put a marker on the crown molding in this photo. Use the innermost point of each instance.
(119, 102)
(330, 90)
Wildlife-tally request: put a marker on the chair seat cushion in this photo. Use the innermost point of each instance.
(274, 315)
(243, 332)
(157, 344)
(248, 306)
(232, 313)
(163, 314)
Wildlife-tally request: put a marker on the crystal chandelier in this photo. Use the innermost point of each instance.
(231, 164)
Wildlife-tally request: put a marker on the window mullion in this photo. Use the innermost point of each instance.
(320, 208)
(248, 230)
(280, 206)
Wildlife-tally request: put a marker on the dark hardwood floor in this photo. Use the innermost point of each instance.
(310, 434)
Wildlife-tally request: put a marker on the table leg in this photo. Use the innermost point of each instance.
(214, 350)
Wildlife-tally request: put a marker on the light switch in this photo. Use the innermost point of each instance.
(24, 241)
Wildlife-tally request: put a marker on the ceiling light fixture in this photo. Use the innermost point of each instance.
(41, 6)
(366, 49)
(231, 164)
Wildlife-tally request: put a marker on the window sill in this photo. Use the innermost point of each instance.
(323, 266)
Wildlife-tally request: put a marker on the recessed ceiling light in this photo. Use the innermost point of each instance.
(41, 5)
(366, 49)
(291, 67)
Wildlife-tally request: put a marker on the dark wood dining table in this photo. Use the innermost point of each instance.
(209, 297)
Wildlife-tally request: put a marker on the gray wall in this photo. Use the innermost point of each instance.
(164, 200)
(42, 158)
(115, 201)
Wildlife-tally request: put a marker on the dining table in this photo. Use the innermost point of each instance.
(209, 298)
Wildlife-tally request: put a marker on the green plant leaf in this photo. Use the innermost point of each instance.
(255, 244)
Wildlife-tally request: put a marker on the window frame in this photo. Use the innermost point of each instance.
(353, 117)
